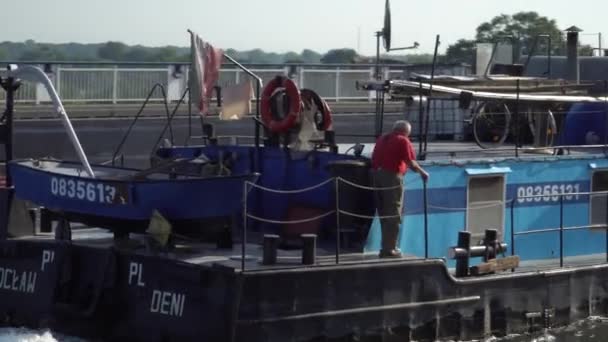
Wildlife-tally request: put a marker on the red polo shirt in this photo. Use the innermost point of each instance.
(391, 152)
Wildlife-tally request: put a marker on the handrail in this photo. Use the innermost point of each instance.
(248, 185)
(258, 92)
(141, 109)
(561, 229)
(169, 120)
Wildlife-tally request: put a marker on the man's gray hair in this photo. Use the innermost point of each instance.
(402, 126)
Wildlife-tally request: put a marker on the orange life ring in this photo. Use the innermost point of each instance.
(295, 106)
(309, 96)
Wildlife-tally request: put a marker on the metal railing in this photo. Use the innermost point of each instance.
(130, 82)
(337, 211)
(561, 229)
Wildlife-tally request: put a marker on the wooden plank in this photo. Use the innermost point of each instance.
(496, 265)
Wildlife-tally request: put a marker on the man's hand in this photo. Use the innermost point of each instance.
(424, 175)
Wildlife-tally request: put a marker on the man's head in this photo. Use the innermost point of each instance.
(403, 127)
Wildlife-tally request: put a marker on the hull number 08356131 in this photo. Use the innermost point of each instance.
(547, 193)
(83, 190)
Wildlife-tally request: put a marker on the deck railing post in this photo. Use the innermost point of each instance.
(606, 226)
(561, 230)
(517, 121)
(513, 229)
(513, 226)
(426, 222)
(244, 230)
(337, 185)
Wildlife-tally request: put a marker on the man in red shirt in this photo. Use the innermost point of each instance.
(392, 156)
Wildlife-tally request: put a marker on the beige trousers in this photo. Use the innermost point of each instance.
(389, 203)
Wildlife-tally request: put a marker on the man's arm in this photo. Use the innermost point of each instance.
(412, 164)
(410, 160)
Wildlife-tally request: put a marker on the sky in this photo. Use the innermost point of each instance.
(278, 25)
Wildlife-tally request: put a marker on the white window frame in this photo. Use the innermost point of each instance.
(501, 229)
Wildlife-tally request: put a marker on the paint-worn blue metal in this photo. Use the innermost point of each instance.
(280, 169)
(447, 201)
(584, 124)
(176, 199)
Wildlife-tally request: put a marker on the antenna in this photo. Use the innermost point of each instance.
(385, 33)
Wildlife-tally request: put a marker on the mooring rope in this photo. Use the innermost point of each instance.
(306, 220)
(297, 191)
(368, 187)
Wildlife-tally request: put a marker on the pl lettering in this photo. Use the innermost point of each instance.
(136, 271)
(16, 281)
(47, 257)
(168, 303)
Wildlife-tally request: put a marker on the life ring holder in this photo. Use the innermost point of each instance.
(295, 105)
(308, 96)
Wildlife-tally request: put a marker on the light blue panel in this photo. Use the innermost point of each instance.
(487, 171)
(447, 188)
(440, 177)
(374, 237)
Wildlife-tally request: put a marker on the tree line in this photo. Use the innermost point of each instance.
(120, 52)
(523, 29)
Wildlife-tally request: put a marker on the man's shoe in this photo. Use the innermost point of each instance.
(393, 253)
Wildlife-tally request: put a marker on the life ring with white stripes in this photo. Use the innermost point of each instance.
(324, 122)
(295, 105)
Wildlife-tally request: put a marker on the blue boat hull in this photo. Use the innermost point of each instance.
(114, 203)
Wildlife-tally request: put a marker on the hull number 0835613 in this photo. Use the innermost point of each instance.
(83, 190)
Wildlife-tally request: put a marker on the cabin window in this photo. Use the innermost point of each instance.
(599, 204)
(485, 205)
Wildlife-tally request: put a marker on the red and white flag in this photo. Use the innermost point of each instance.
(204, 71)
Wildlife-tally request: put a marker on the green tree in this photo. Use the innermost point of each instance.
(137, 54)
(340, 56)
(521, 28)
(292, 57)
(310, 56)
(42, 52)
(524, 27)
(166, 54)
(463, 51)
(113, 51)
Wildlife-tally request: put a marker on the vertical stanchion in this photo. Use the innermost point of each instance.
(428, 104)
(513, 229)
(561, 230)
(606, 225)
(605, 115)
(244, 232)
(337, 180)
(517, 121)
(420, 118)
(426, 222)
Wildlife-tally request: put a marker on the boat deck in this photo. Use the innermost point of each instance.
(440, 151)
(205, 254)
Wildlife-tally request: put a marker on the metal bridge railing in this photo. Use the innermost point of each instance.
(127, 84)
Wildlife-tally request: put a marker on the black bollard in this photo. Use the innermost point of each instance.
(462, 263)
(46, 220)
(309, 248)
(271, 243)
(491, 243)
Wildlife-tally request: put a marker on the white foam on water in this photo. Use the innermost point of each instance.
(28, 335)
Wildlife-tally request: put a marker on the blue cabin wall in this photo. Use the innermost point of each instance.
(280, 169)
(447, 201)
